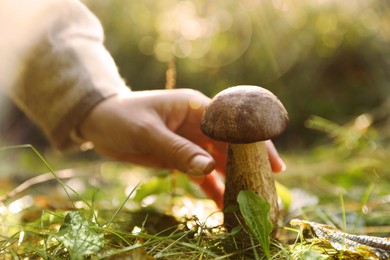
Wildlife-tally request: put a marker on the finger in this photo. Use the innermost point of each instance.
(148, 160)
(277, 164)
(181, 153)
(212, 187)
(219, 152)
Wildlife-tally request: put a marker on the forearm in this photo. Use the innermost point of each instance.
(64, 72)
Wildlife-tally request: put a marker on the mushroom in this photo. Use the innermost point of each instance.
(245, 117)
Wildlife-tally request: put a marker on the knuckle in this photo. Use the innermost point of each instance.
(189, 92)
(179, 149)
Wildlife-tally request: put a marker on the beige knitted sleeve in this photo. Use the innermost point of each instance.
(53, 63)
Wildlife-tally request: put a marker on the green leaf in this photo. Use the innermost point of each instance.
(255, 211)
(154, 186)
(284, 194)
(79, 237)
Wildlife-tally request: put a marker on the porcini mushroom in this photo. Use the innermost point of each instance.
(245, 117)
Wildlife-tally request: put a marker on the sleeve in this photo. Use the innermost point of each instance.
(54, 65)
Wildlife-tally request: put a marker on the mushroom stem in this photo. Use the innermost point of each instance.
(248, 168)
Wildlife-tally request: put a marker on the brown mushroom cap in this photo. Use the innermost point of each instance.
(244, 114)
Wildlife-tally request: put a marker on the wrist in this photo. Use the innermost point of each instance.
(96, 116)
(90, 122)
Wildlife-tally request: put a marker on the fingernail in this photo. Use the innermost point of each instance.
(200, 165)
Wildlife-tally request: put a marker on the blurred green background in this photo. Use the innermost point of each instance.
(325, 57)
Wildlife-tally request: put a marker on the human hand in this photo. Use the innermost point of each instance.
(160, 128)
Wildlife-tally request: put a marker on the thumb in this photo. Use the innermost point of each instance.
(182, 154)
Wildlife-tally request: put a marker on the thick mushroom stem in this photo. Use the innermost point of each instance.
(248, 168)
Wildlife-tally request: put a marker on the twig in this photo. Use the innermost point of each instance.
(170, 74)
(170, 83)
(63, 174)
(339, 240)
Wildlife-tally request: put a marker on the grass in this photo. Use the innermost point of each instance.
(138, 230)
(343, 183)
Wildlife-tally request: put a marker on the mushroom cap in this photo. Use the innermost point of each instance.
(244, 114)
